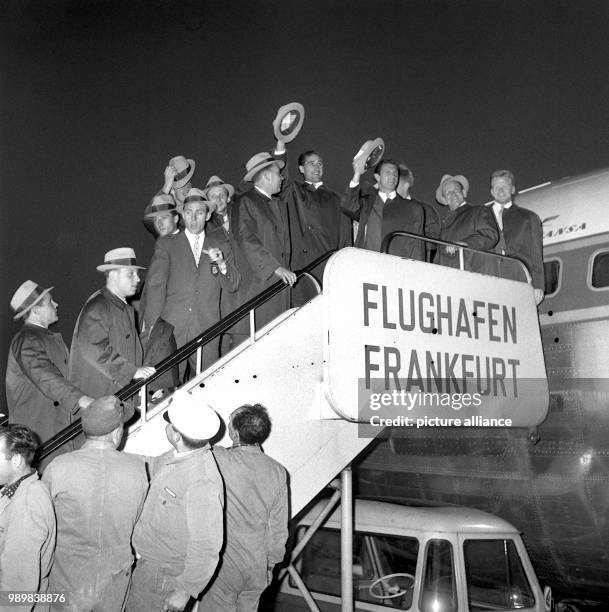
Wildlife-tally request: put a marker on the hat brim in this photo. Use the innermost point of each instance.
(250, 175)
(183, 181)
(23, 312)
(292, 107)
(372, 152)
(152, 215)
(106, 267)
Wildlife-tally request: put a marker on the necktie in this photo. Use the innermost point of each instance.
(374, 226)
(196, 251)
(500, 218)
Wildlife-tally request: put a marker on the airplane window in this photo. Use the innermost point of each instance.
(439, 591)
(600, 270)
(551, 269)
(496, 579)
(381, 559)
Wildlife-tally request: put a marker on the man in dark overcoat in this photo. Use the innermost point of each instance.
(520, 233)
(106, 353)
(471, 226)
(38, 391)
(262, 227)
(381, 211)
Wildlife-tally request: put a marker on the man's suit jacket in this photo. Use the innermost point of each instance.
(474, 226)
(184, 295)
(262, 228)
(398, 215)
(522, 238)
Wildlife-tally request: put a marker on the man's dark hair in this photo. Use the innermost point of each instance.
(406, 173)
(252, 423)
(19, 440)
(386, 162)
(302, 158)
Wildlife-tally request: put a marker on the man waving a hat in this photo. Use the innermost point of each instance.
(37, 390)
(106, 351)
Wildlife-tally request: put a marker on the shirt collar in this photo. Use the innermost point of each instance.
(263, 192)
(315, 185)
(9, 490)
(496, 205)
(387, 196)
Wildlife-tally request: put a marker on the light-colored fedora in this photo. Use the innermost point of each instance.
(184, 170)
(288, 122)
(123, 257)
(216, 181)
(197, 195)
(26, 297)
(371, 151)
(191, 416)
(447, 178)
(162, 203)
(258, 162)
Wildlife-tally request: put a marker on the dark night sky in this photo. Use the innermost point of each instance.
(97, 95)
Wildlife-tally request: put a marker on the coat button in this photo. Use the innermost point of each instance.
(128, 336)
(55, 403)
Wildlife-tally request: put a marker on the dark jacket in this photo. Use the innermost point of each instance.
(262, 230)
(522, 238)
(474, 226)
(317, 225)
(106, 349)
(38, 392)
(398, 215)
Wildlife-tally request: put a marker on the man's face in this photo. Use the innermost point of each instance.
(274, 179)
(127, 280)
(196, 215)
(7, 469)
(453, 194)
(312, 168)
(502, 189)
(219, 196)
(388, 178)
(165, 223)
(179, 193)
(47, 310)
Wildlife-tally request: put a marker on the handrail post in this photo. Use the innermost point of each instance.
(346, 541)
(461, 261)
(252, 319)
(198, 367)
(144, 403)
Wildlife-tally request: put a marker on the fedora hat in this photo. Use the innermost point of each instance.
(104, 415)
(192, 416)
(216, 181)
(162, 203)
(288, 121)
(258, 162)
(371, 151)
(458, 178)
(197, 195)
(184, 170)
(26, 297)
(123, 257)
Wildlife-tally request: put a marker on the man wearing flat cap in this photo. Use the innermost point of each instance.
(98, 494)
(180, 532)
(382, 210)
(38, 391)
(263, 231)
(187, 273)
(106, 353)
(472, 226)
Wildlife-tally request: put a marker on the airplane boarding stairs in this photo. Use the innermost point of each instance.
(382, 325)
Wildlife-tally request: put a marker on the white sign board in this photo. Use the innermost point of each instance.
(408, 343)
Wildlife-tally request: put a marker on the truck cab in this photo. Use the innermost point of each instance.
(428, 559)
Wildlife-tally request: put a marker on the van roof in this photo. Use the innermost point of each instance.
(379, 516)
